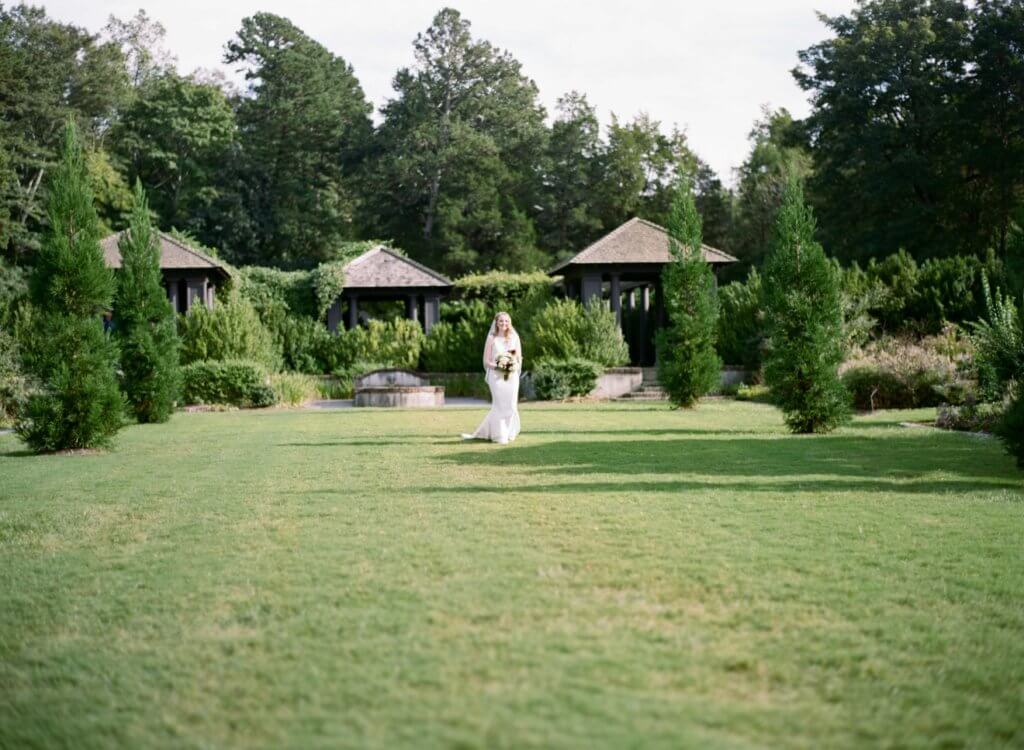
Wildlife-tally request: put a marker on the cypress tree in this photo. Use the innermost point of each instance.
(803, 312)
(688, 365)
(78, 403)
(145, 324)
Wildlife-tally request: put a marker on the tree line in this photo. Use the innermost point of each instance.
(915, 141)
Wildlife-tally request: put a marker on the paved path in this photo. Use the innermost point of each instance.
(347, 403)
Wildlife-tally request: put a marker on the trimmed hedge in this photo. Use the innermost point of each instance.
(234, 382)
(227, 332)
(558, 379)
(501, 289)
(566, 330)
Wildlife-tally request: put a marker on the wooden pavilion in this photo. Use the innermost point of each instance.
(383, 274)
(190, 277)
(624, 267)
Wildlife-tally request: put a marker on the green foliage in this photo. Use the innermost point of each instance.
(688, 365)
(564, 329)
(501, 290)
(13, 291)
(233, 382)
(458, 346)
(306, 345)
(917, 106)
(228, 331)
(778, 153)
(394, 343)
(144, 322)
(803, 312)
(175, 137)
(328, 278)
(266, 288)
(14, 387)
(1010, 428)
(49, 72)
(295, 388)
(558, 379)
(998, 345)
(456, 177)
(740, 336)
(303, 128)
(78, 403)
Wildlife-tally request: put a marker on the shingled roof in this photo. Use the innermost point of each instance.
(635, 242)
(381, 267)
(174, 255)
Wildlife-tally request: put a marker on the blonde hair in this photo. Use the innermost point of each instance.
(494, 325)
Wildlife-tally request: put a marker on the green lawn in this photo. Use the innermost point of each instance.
(622, 576)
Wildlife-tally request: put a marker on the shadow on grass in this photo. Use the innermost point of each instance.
(890, 463)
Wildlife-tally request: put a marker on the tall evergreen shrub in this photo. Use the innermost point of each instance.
(145, 323)
(77, 403)
(804, 320)
(688, 365)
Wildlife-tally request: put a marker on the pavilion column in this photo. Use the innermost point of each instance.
(646, 298)
(616, 299)
(353, 311)
(631, 300)
(590, 288)
(431, 311)
(334, 316)
(412, 308)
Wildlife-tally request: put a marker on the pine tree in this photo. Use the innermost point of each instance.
(145, 325)
(803, 311)
(688, 365)
(78, 404)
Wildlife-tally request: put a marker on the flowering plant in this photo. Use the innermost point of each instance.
(506, 363)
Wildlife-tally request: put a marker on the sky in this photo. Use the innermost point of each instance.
(707, 66)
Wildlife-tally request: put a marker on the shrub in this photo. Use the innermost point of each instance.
(565, 329)
(78, 403)
(969, 417)
(294, 388)
(229, 331)
(13, 291)
(803, 310)
(458, 345)
(501, 290)
(236, 382)
(145, 326)
(305, 345)
(13, 383)
(395, 343)
(1010, 428)
(741, 322)
(999, 345)
(754, 393)
(269, 288)
(558, 379)
(900, 373)
(688, 365)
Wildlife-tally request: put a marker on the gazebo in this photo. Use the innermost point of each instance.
(190, 277)
(624, 266)
(383, 274)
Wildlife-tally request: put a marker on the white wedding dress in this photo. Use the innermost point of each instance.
(501, 424)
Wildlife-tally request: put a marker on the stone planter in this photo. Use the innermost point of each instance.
(397, 388)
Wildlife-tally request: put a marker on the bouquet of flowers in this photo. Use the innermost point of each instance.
(506, 363)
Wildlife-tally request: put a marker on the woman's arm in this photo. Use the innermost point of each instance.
(488, 355)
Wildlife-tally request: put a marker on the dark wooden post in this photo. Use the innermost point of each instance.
(590, 287)
(353, 311)
(431, 311)
(412, 308)
(616, 299)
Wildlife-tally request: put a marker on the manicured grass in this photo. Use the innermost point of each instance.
(622, 576)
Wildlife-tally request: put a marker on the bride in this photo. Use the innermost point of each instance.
(503, 359)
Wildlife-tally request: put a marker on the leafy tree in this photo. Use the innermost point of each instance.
(715, 205)
(141, 42)
(176, 137)
(303, 128)
(145, 321)
(688, 365)
(917, 113)
(803, 315)
(78, 404)
(776, 156)
(570, 217)
(49, 71)
(455, 177)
